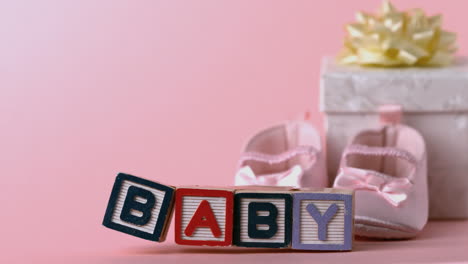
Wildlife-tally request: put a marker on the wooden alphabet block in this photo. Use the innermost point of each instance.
(204, 216)
(262, 219)
(323, 220)
(139, 207)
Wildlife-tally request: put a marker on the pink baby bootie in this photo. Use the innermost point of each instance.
(289, 154)
(387, 168)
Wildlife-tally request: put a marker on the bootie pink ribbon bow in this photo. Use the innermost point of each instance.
(394, 190)
(291, 177)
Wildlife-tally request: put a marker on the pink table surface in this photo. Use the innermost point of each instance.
(440, 242)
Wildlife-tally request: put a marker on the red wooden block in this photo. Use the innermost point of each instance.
(204, 216)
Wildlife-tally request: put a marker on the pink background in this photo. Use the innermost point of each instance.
(167, 90)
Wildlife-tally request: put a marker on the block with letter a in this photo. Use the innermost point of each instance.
(204, 216)
(139, 207)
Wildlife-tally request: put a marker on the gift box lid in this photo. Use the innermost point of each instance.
(349, 89)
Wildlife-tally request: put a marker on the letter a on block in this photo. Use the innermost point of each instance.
(139, 207)
(323, 220)
(204, 217)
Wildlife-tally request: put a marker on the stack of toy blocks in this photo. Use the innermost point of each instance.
(255, 216)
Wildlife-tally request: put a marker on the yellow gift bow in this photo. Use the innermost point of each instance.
(396, 39)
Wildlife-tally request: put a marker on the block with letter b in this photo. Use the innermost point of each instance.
(262, 219)
(323, 220)
(139, 207)
(203, 216)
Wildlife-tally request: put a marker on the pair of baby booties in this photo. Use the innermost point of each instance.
(386, 166)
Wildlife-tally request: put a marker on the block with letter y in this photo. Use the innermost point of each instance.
(139, 207)
(323, 220)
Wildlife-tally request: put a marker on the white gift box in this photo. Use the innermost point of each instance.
(434, 101)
